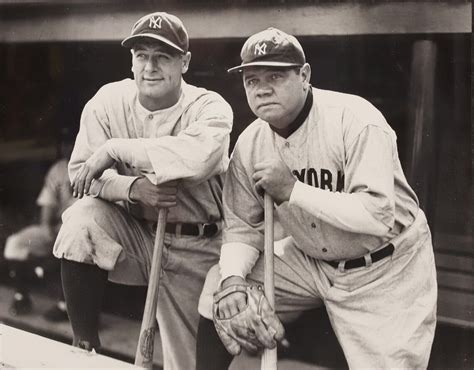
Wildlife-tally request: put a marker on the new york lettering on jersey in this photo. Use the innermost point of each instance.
(321, 178)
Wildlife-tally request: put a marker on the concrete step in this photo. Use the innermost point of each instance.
(119, 335)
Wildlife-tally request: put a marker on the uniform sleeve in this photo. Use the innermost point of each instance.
(197, 153)
(94, 132)
(368, 204)
(48, 195)
(237, 259)
(243, 236)
(200, 150)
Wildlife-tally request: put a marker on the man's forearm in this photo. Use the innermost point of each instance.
(129, 151)
(112, 186)
(342, 210)
(237, 259)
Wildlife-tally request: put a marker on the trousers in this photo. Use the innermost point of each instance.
(383, 314)
(105, 234)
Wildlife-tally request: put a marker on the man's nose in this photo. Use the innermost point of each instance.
(152, 64)
(264, 89)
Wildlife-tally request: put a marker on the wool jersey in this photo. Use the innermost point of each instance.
(351, 196)
(188, 141)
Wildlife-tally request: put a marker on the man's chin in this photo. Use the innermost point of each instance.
(151, 94)
(267, 116)
(268, 112)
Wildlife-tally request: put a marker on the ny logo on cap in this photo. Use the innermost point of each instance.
(260, 49)
(155, 22)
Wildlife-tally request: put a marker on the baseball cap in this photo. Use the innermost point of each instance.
(271, 47)
(159, 26)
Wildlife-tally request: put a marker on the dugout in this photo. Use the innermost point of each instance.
(411, 59)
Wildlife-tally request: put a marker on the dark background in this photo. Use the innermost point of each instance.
(44, 86)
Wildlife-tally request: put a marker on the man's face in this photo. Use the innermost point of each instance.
(276, 95)
(157, 70)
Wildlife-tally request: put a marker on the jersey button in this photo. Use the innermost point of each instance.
(325, 250)
(313, 225)
(287, 144)
(150, 117)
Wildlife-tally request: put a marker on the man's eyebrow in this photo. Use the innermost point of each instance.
(139, 48)
(249, 75)
(158, 49)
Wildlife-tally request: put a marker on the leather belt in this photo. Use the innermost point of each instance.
(360, 262)
(206, 230)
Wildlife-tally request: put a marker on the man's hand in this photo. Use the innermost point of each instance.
(148, 194)
(233, 303)
(275, 178)
(243, 317)
(91, 169)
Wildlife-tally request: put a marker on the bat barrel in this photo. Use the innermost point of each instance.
(146, 341)
(269, 357)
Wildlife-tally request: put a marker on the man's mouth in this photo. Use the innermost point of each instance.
(152, 79)
(264, 105)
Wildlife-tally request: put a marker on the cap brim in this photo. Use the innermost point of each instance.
(262, 64)
(129, 41)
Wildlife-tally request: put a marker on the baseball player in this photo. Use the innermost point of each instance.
(151, 142)
(353, 236)
(28, 251)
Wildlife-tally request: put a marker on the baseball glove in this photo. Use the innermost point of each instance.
(256, 326)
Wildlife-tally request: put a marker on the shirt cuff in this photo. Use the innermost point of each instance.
(113, 188)
(237, 259)
(135, 178)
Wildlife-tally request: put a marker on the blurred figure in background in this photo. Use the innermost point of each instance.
(29, 251)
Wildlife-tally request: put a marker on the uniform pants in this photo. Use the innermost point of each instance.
(101, 233)
(384, 315)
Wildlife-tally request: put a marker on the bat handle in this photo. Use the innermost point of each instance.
(146, 341)
(269, 357)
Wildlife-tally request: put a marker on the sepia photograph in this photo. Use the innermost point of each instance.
(236, 184)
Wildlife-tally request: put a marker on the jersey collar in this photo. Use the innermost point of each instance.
(300, 118)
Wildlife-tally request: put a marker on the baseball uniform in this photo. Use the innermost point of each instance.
(37, 240)
(188, 141)
(351, 201)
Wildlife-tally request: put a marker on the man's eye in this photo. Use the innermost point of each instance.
(276, 76)
(251, 82)
(140, 56)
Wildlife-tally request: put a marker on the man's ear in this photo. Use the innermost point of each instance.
(132, 52)
(186, 59)
(305, 73)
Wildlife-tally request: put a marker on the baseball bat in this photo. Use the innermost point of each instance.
(146, 341)
(269, 357)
